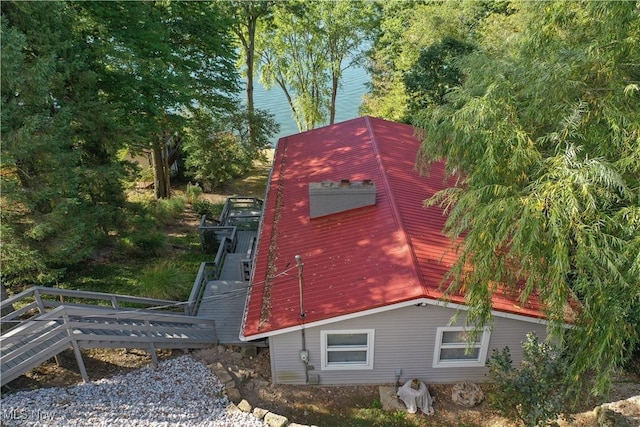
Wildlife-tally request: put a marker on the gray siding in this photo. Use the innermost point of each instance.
(404, 339)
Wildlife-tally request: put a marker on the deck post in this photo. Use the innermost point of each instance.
(152, 347)
(38, 298)
(81, 367)
(76, 350)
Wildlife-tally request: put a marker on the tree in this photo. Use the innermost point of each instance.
(292, 58)
(159, 59)
(414, 37)
(80, 82)
(220, 149)
(346, 27)
(61, 183)
(544, 136)
(435, 74)
(248, 15)
(307, 48)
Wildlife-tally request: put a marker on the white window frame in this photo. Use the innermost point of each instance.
(325, 349)
(483, 346)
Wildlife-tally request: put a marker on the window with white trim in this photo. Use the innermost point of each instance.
(454, 350)
(348, 349)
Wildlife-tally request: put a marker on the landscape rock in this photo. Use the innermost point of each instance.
(467, 394)
(221, 372)
(606, 417)
(244, 406)
(233, 394)
(260, 413)
(275, 420)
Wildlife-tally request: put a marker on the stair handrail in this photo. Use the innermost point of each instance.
(42, 304)
(207, 272)
(74, 319)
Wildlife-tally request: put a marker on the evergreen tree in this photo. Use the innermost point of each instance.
(61, 184)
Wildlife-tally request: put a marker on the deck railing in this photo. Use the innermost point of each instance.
(212, 235)
(242, 212)
(37, 339)
(40, 299)
(208, 271)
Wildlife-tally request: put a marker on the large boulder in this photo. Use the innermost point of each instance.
(467, 394)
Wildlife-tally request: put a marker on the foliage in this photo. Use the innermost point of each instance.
(143, 239)
(193, 192)
(81, 82)
(305, 49)
(219, 148)
(247, 17)
(157, 60)
(163, 280)
(61, 184)
(414, 42)
(544, 136)
(204, 207)
(535, 392)
(435, 74)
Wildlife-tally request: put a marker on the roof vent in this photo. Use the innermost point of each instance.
(328, 197)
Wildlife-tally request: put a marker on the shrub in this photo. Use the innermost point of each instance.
(143, 239)
(167, 210)
(164, 281)
(211, 210)
(193, 192)
(534, 393)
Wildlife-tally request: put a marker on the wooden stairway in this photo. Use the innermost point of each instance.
(43, 328)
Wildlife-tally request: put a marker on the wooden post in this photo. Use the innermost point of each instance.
(38, 298)
(76, 350)
(152, 348)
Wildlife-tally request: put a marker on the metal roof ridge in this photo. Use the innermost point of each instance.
(397, 215)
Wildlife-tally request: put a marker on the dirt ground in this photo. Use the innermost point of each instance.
(316, 405)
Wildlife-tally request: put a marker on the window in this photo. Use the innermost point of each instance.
(347, 349)
(453, 350)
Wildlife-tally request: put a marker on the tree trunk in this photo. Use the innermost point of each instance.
(251, 29)
(161, 172)
(334, 96)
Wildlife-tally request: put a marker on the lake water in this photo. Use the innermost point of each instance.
(348, 102)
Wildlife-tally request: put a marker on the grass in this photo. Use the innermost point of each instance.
(140, 264)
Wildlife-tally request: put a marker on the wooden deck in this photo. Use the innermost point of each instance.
(223, 300)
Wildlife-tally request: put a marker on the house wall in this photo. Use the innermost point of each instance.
(405, 339)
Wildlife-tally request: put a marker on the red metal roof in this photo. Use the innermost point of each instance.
(357, 260)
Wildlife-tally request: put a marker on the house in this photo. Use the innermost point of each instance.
(347, 276)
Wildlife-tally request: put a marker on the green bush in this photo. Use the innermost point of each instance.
(164, 280)
(534, 393)
(211, 210)
(167, 210)
(143, 239)
(193, 192)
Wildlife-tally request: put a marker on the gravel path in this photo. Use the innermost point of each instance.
(179, 392)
